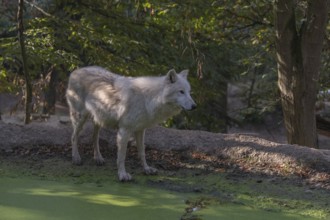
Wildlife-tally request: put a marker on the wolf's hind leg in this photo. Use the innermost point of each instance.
(139, 138)
(78, 120)
(97, 154)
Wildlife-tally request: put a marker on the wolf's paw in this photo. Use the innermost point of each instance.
(76, 160)
(150, 170)
(99, 161)
(124, 177)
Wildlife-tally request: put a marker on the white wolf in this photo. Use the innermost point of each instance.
(130, 104)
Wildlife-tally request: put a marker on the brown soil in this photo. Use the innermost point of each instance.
(170, 149)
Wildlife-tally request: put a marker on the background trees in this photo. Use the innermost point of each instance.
(219, 41)
(299, 46)
(28, 87)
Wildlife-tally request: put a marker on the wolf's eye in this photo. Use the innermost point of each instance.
(181, 91)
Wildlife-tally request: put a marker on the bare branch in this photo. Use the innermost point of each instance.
(38, 8)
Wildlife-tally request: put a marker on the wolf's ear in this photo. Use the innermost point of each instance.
(171, 76)
(184, 73)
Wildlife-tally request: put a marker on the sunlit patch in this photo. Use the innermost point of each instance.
(103, 199)
(46, 192)
(107, 199)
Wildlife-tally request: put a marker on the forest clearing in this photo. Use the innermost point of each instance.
(256, 147)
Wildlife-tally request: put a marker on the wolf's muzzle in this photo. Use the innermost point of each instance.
(192, 107)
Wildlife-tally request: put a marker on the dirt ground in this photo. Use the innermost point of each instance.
(170, 148)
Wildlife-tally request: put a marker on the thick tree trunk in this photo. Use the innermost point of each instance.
(298, 58)
(28, 86)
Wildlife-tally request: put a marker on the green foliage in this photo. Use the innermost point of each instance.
(218, 41)
(5, 85)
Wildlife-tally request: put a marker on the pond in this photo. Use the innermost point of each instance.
(28, 197)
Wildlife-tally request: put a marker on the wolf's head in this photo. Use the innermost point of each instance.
(177, 90)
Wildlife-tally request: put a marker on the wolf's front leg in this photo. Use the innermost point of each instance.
(139, 138)
(122, 140)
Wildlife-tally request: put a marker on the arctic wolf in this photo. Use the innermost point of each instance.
(129, 104)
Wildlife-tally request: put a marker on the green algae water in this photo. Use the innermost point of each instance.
(34, 199)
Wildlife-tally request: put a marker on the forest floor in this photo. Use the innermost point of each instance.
(220, 166)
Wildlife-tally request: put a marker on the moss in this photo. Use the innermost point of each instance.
(53, 187)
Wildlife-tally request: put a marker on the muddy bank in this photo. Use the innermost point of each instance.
(248, 149)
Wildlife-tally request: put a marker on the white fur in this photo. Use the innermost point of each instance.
(130, 104)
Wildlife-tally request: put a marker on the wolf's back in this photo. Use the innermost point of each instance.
(93, 90)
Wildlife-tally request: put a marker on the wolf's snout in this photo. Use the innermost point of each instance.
(192, 107)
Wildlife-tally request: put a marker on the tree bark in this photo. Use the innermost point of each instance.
(298, 60)
(50, 92)
(28, 86)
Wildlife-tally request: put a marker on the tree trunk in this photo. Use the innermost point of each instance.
(298, 60)
(50, 92)
(28, 86)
